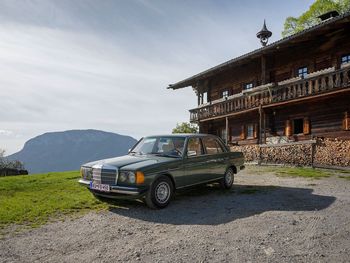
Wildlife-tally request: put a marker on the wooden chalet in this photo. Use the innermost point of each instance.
(292, 90)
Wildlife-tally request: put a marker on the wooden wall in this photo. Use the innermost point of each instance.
(325, 117)
(316, 54)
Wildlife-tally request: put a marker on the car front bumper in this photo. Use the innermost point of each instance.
(116, 190)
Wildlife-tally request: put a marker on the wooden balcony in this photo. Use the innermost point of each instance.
(318, 83)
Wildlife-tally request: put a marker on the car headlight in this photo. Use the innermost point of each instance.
(123, 177)
(132, 177)
(127, 176)
(86, 172)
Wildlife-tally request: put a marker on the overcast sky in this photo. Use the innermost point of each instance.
(99, 64)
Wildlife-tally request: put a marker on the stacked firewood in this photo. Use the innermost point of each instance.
(326, 152)
(251, 152)
(299, 155)
(332, 152)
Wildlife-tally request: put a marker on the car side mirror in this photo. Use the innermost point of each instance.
(191, 153)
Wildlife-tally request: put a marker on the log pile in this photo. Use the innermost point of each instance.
(251, 152)
(332, 152)
(327, 152)
(299, 155)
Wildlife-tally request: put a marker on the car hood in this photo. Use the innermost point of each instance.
(129, 161)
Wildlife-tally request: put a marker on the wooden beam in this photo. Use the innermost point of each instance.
(263, 70)
(260, 124)
(264, 121)
(226, 139)
(229, 115)
(290, 102)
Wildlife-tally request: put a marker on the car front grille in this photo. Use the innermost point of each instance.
(102, 175)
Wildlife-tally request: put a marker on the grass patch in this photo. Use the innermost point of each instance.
(258, 170)
(345, 172)
(302, 172)
(32, 200)
(344, 177)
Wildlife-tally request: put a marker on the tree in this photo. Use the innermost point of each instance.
(5, 163)
(185, 127)
(310, 18)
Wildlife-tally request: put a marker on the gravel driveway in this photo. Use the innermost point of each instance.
(264, 218)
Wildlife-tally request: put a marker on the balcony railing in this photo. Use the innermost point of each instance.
(312, 85)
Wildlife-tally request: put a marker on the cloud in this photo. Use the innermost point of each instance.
(5, 133)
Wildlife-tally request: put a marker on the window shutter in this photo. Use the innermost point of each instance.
(306, 128)
(288, 128)
(255, 131)
(346, 122)
(243, 133)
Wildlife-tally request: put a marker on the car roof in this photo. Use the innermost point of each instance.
(185, 135)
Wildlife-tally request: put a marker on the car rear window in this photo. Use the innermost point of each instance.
(212, 146)
(194, 147)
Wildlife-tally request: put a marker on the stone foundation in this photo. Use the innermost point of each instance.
(318, 152)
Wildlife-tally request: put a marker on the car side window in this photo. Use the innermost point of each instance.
(212, 146)
(194, 147)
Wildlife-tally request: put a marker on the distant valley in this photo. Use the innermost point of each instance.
(64, 151)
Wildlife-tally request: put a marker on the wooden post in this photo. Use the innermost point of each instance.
(313, 150)
(226, 139)
(264, 121)
(260, 123)
(263, 70)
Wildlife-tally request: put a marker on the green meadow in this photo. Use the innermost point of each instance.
(32, 200)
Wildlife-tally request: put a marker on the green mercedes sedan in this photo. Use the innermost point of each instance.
(159, 165)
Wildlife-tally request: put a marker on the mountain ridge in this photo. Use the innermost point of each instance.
(67, 150)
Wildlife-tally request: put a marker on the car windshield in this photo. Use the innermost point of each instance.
(160, 146)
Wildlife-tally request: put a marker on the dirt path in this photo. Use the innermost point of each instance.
(263, 219)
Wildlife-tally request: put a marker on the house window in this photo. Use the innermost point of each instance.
(225, 94)
(346, 121)
(248, 86)
(250, 131)
(205, 97)
(345, 59)
(302, 72)
(298, 126)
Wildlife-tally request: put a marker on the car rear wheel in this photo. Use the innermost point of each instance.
(227, 181)
(160, 193)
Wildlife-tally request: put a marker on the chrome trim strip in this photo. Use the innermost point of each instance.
(116, 176)
(116, 189)
(125, 192)
(202, 182)
(83, 181)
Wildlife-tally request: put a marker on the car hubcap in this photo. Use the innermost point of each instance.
(228, 177)
(162, 192)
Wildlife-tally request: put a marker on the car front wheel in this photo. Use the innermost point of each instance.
(160, 193)
(228, 179)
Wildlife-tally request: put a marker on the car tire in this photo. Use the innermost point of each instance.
(160, 193)
(227, 181)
